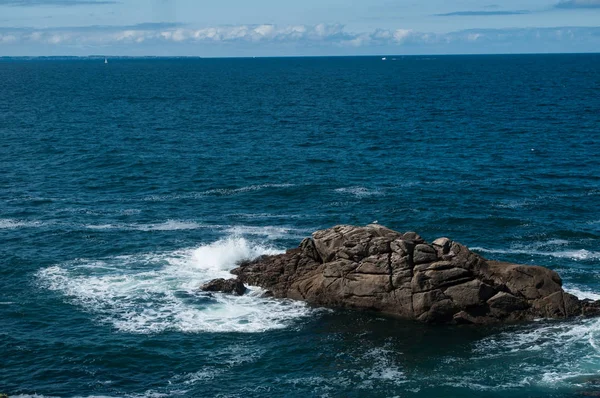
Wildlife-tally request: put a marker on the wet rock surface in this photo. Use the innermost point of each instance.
(378, 269)
(232, 286)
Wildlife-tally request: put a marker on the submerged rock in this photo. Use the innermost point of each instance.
(378, 269)
(233, 286)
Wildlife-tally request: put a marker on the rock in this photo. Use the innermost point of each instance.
(590, 308)
(442, 245)
(375, 268)
(232, 286)
(470, 294)
(424, 254)
(412, 237)
(503, 304)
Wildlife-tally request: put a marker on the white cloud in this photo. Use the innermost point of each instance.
(7, 38)
(321, 35)
(128, 35)
(400, 35)
(57, 38)
(265, 30)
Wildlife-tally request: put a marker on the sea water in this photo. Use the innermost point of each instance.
(125, 186)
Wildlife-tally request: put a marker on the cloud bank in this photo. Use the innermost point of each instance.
(303, 38)
(172, 32)
(320, 33)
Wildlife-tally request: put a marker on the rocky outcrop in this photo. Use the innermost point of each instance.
(233, 286)
(375, 268)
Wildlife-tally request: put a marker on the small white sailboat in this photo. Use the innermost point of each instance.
(105, 60)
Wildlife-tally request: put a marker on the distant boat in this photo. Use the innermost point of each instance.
(383, 59)
(105, 60)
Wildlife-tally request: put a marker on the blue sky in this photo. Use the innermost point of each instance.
(307, 27)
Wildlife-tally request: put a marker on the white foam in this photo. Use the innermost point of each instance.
(472, 384)
(384, 366)
(231, 356)
(579, 255)
(102, 226)
(536, 337)
(366, 369)
(207, 373)
(550, 353)
(557, 242)
(359, 192)
(582, 293)
(250, 188)
(32, 396)
(515, 204)
(146, 394)
(216, 191)
(269, 231)
(157, 292)
(540, 199)
(270, 215)
(8, 223)
(169, 225)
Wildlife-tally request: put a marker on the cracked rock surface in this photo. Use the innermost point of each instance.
(376, 268)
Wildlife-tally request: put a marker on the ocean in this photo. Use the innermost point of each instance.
(125, 186)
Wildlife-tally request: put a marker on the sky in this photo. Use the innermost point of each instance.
(234, 28)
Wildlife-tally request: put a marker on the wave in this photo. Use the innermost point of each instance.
(270, 215)
(9, 223)
(581, 293)
(516, 203)
(359, 192)
(367, 368)
(384, 366)
(250, 188)
(542, 199)
(581, 254)
(219, 363)
(550, 355)
(102, 212)
(214, 192)
(169, 225)
(156, 292)
(147, 394)
(270, 232)
(544, 348)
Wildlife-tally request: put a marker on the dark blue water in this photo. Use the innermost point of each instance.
(123, 187)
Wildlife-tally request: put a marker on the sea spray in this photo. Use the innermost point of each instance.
(154, 292)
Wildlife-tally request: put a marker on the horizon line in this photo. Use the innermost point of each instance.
(293, 56)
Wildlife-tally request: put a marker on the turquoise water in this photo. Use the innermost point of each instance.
(124, 187)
